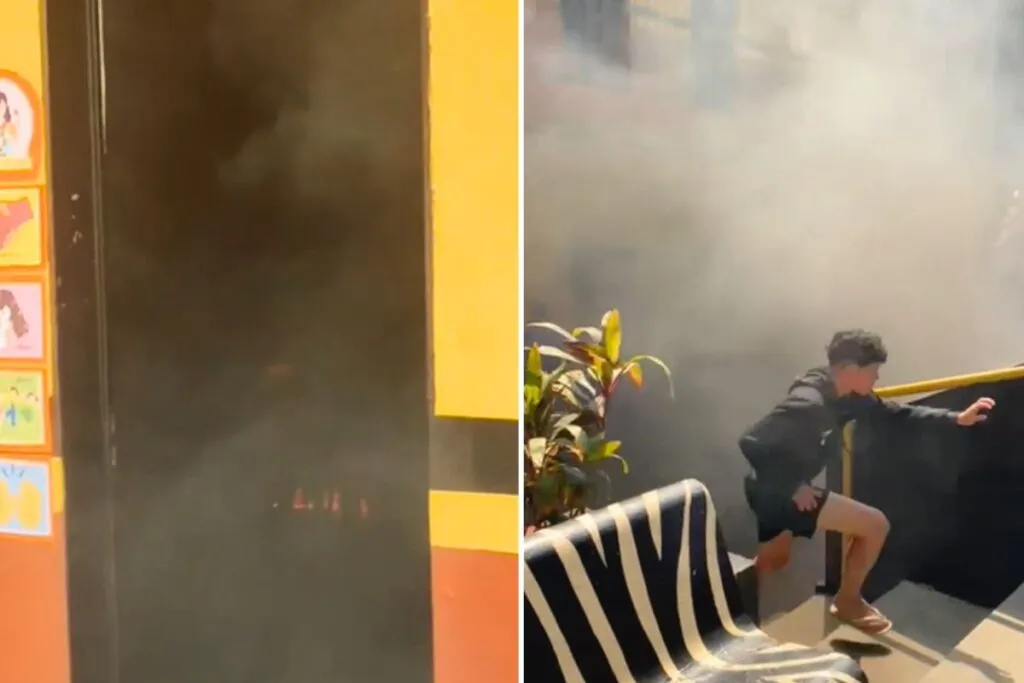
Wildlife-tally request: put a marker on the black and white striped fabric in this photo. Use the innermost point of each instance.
(643, 592)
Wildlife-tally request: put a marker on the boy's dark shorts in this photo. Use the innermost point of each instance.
(777, 513)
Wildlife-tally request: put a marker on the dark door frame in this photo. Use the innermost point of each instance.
(75, 133)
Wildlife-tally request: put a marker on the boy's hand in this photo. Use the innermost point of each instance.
(976, 412)
(806, 498)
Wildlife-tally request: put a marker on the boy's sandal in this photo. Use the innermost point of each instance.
(873, 624)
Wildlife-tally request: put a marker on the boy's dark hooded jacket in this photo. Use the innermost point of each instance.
(787, 447)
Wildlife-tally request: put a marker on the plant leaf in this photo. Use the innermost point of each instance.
(542, 416)
(622, 461)
(584, 441)
(611, 447)
(592, 354)
(534, 364)
(593, 332)
(566, 394)
(605, 450)
(582, 379)
(548, 379)
(636, 374)
(551, 327)
(606, 371)
(550, 383)
(563, 423)
(575, 430)
(533, 382)
(531, 399)
(574, 476)
(546, 489)
(612, 336)
(592, 445)
(592, 357)
(661, 364)
(555, 352)
(617, 374)
(537, 447)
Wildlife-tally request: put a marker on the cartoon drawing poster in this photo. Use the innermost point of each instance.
(22, 123)
(21, 320)
(25, 500)
(23, 419)
(18, 123)
(21, 228)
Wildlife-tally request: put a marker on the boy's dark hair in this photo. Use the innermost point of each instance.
(856, 347)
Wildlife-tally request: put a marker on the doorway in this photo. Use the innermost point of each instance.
(257, 178)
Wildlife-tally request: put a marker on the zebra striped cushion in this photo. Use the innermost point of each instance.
(637, 593)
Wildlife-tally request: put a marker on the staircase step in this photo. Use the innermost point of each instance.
(927, 626)
(991, 651)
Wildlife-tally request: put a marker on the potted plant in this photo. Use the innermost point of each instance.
(565, 416)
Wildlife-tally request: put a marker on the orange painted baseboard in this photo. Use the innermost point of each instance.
(33, 625)
(476, 616)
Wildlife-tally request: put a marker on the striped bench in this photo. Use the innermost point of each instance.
(643, 592)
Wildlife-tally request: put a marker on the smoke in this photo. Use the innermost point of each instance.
(852, 181)
(265, 210)
(336, 162)
(335, 96)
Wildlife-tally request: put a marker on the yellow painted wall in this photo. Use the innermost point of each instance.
(473, 111)
(473, 114)
(467, 520)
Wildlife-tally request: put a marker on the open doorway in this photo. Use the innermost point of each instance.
(258, 185)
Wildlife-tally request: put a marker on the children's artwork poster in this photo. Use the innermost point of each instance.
(25, 498)
(18, 124)
(22, 122)
(21, 227)
(21, 320)
(23, 419)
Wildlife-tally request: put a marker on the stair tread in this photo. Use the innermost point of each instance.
(991, 651)
(927, 626)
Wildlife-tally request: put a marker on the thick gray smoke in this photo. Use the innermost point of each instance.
(856, 179)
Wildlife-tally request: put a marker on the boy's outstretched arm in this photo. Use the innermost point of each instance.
(974, 414)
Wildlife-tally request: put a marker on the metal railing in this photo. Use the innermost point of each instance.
(842, 480)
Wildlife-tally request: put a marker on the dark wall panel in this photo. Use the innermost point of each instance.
(952, 495)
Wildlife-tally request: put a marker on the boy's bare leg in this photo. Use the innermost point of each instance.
(865, 529)
(774, 554)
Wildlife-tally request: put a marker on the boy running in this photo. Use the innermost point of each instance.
(787, 449)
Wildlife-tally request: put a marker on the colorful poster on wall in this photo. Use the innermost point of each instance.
(19, 126)
(21, 320)
(25, 498)
(23, 420)
(21, 227)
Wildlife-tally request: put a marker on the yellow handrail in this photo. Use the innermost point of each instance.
(955, 382)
